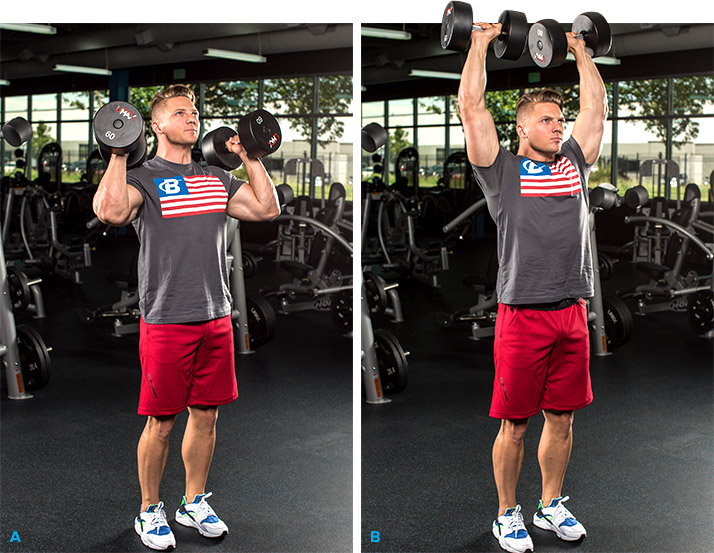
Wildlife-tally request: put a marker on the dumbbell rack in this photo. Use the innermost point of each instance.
(8, 339)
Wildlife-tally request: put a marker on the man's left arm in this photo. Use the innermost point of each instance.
(589, 125)
(256, 200)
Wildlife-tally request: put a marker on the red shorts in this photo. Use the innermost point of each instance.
(186, 364)
(542, 361)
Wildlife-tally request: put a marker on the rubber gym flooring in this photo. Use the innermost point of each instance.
(641, 475)
(281, 475)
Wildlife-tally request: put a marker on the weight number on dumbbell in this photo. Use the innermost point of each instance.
(457, 25)
(119, 129)
(548, 43)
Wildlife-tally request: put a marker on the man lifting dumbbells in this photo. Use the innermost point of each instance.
(538, 200)
(186, 349)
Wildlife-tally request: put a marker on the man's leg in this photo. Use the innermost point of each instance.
(199, 440)
(556, 442)
(507, 460)
(151, 455)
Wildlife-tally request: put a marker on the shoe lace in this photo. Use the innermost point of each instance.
(515, 521)
(203, 509)
(561, 513)
(157, 517)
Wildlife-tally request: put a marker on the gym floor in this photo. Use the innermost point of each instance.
(281, 475)
(640, 477)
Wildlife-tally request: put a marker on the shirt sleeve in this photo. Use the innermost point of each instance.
(489, 178)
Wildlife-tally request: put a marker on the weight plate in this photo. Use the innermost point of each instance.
(262, 320)
(514, 35)
(376, 295)
(34, 358)
(373, 137)
(17, 131)
(606, 266)
(596, 32)
(118, 127)
(260, 133)
(456, 26)
(391, 362)
(700, 310)
(547, 43)
(215, 152)
(20, 294)
(250, 265)
(341, 310)
(618, 322)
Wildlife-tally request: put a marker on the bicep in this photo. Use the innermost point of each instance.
(588, 131)
(241, 205)
(481, 138)
(136, 200)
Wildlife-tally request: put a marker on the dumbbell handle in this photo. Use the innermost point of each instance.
(478, 28)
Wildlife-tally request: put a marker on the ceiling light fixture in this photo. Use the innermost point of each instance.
(82, 69)
(4, 82)
(434, 74)
(238, 56)
(602, 60)
(29, 28)
(386, 33)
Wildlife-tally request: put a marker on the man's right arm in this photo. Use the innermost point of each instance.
(116, 203)
(479, 129)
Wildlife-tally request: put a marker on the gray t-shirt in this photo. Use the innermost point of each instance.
(541, 212)
(183, 274)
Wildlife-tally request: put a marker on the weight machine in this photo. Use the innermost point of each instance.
(25, 357)
(669, 287)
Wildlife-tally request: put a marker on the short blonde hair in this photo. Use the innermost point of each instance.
(172, 91)
(526, 102)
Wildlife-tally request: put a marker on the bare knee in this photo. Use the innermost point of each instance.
(559, 422)
(204, 418)
(513, 430)
(160, 427)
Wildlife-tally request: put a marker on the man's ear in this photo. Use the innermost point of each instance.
(521, 130)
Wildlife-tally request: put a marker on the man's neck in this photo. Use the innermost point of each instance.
(175, 153)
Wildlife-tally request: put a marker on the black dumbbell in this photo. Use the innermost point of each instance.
(373, 137)
(119, 129)
(457, 25)
(17, 131)
(548, 44)
(259, 134)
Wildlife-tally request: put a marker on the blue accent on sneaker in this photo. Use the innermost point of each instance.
(210, 519)
(160, 531)
(518, 534)
(569, 522)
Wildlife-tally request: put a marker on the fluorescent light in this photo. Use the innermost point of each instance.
(230, 55)
(602, 60)
(29, 28)
(82, 69)
(4, 82)
(434, 74)
(386, 33)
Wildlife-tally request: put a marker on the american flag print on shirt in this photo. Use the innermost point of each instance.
(541, 179)
(182, 196)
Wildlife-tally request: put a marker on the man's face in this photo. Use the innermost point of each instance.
(177, 120)
(543, 127)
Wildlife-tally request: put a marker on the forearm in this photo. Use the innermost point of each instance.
(593, 95)
(111, 200)
(479, 128)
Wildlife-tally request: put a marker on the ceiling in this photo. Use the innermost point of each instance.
(151, 52)
(645, 51)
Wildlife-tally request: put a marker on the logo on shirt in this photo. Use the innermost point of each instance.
(182, 196)
(541, 179)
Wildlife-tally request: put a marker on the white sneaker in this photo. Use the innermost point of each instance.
(153, 528)
(199, 515)
(556, 518)
(511, 533)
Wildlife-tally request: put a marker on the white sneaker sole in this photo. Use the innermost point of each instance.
(188, 522)
(168, 547)
(544, 524)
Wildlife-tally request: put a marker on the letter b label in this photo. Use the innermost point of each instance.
(374, 536)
